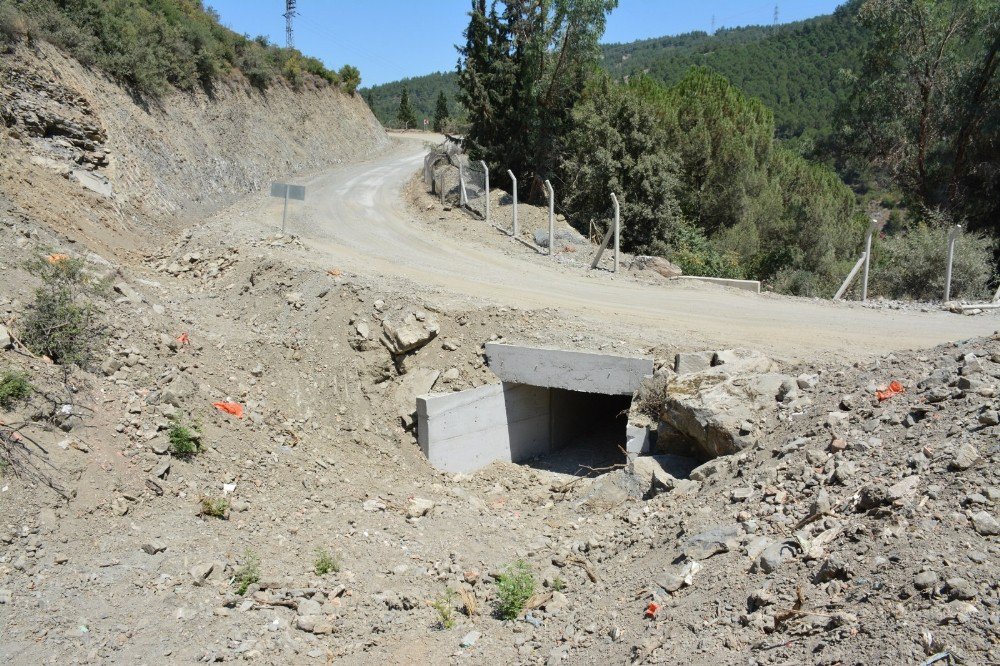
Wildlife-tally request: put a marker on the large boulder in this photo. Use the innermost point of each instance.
(400, 337)
(659, 265)
(705, 414)
(418, 381)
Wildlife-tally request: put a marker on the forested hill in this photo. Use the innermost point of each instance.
(794, 68)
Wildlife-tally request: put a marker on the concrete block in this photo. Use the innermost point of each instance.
(693, 362)
(638, 439)
(571, 370)
(746, 285)
(464, 431)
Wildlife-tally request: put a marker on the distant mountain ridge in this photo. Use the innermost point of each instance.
(796, 69)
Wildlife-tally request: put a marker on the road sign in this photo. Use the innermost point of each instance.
(286, 192)
(282, 190)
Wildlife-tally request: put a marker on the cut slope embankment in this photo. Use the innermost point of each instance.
(88, 157)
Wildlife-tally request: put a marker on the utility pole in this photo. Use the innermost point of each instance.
(289, 14)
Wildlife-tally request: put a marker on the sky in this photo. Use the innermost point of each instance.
(393, 39)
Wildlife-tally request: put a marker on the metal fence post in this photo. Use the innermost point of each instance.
(614, 200)
(868, 260)
(486, 170)
(513, 179)
(952, 237)
(552, 219)
(284, 216)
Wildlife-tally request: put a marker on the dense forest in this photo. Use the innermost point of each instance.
(712, 180)
(155, 45)
(796, 69)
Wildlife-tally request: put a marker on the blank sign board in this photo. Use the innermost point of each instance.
(293, 191)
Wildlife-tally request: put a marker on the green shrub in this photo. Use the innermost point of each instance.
(13, 25)
(63, 323)
(514, 587)
(14, 388)
(184, 438)
(248, 573)
(445, 608)
(558, 584)
(350, 78)
(912, 264)
(215, 507)
(325, 563)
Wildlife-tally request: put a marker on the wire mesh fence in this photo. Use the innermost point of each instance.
(476, 194)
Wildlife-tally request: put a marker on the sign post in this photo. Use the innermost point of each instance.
(286, 192)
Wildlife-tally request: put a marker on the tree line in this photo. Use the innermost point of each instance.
(698, 165)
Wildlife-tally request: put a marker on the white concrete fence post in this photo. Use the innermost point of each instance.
(513, 179)
(614, 200)
(486, 171)
(463, 199)
(868, 260)
(952, 238)
(552, 218)
(850, 277)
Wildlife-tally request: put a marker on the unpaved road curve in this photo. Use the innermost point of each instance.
(357, 214)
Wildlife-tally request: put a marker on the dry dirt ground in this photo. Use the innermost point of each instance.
(852, 531)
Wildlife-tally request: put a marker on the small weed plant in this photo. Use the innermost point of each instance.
(216, 507)
(62, 322)
(325, 563)
(514, 587)
(185, 438)
(558, 584)
(14, 388)
(445, 608)
(248, 573)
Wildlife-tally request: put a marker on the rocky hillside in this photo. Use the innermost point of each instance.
(130, 160)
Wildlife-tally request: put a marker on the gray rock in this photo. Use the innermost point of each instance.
(719, 539)
(161, 470)
(990, 417)
(692, 362)
(416, 382)
(565, 236)
(806, 381)
(659, 265)
(925, 580)
(965, 457)
(200, 572)
(985, 523)
(153, 547)
(309, 607)
(6, 596)
(774, 556)
(470, 639)
(408, 334)
(960, 588)
(5, 340)
(419, 507)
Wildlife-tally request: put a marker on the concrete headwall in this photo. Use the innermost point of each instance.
(572, 370)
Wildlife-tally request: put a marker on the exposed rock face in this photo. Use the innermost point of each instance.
(710, 413)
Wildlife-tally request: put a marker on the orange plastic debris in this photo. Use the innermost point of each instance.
(334, 272)
(184, 339)
(234, 408)
(652, 609)
(895, 388)
(56, 258)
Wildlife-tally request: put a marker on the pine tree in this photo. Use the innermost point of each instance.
(440, 112)
(405, 116)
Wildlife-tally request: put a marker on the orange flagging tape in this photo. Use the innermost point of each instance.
(183, 339)
(234, 408)
(895, 388)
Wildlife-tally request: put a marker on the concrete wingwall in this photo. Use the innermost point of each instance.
(464, 431)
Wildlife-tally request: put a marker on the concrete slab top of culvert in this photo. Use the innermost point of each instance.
(586, 372)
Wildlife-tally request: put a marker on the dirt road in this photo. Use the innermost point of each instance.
(357, 214)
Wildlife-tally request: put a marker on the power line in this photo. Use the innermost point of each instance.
(776, 13)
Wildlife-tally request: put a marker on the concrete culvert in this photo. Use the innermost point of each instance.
(555, 409)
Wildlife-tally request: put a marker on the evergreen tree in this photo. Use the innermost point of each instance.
(440, 112)
(405, 117)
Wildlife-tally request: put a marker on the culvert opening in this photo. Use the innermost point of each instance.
(587, 431)
(554, 409)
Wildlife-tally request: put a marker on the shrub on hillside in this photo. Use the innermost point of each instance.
(13, 25)
(350, 78)
(63, 322)
(912, 264)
